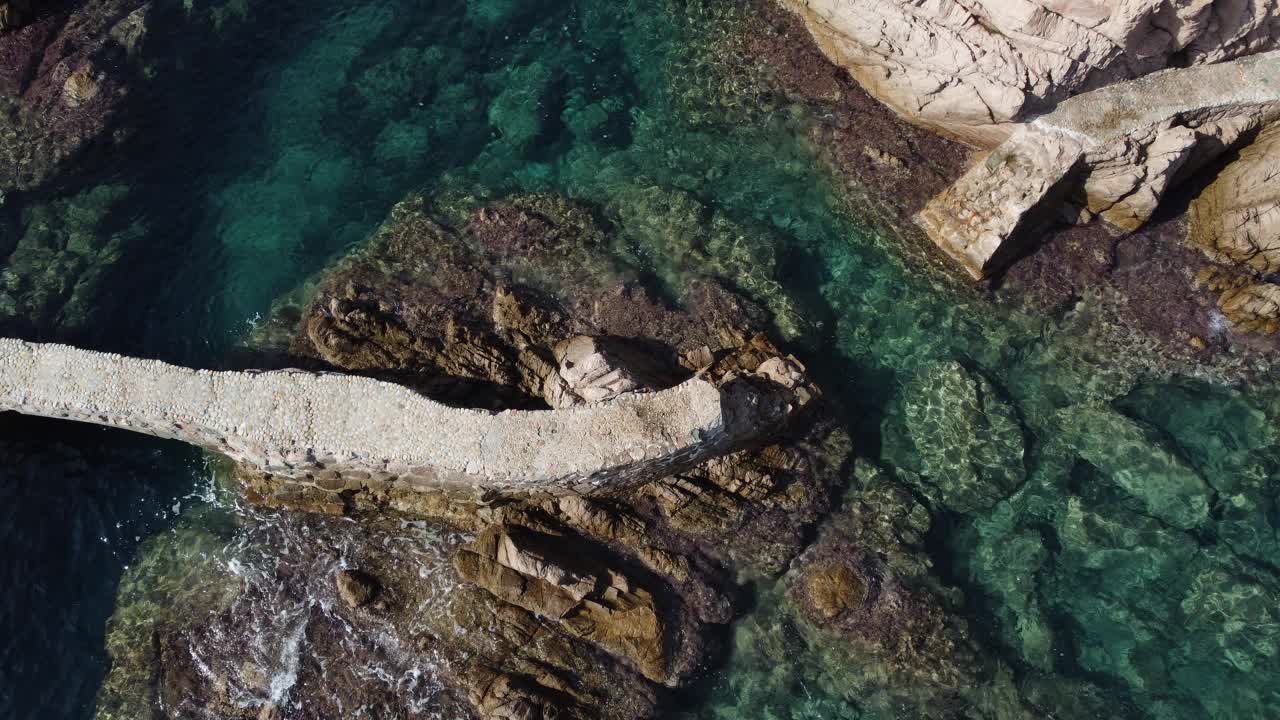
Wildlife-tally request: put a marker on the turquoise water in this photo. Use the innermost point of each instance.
(1127, 553)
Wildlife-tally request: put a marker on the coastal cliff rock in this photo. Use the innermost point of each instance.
(972, 69)
(1112, 153)
(1236, 219)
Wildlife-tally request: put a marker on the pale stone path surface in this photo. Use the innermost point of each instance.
(354, 429)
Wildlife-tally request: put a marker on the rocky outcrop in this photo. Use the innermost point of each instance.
(1251, 305)
(64, 79)
(1113, 153)
(1236, 219)
(14, 13)
(556, 605)
(972, 69)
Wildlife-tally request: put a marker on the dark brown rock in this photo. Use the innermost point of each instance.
(64, 81)
(522, 303)
(355, 588)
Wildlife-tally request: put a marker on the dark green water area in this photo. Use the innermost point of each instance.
(1130, 555)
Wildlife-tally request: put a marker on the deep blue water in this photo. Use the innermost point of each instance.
(286, 136)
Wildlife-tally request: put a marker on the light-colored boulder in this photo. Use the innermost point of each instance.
(972, 68)
(1002, 197)
(1114, 152)
(594, 370)
(1236, 219)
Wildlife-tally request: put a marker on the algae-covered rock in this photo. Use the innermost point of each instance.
(1140, 461)
(63, 251)
(954, 431)
(679, 233)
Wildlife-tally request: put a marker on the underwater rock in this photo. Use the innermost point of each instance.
(681, 232)
(962, 440)
(64, 82)
(1138, 460)
(888, 632)
(63, 250)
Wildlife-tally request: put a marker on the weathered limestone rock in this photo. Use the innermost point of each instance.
(1236, 219)
(1133, 141)
(970, 69)
(1005, 196)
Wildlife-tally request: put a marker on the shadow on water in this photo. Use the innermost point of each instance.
(75, 502)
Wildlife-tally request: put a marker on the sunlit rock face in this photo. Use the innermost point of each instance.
(1237, 217)
(1113, 153)
(972, 69)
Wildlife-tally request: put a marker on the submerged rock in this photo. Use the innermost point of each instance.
(64, 81)
(1135, 457)
(962, 440)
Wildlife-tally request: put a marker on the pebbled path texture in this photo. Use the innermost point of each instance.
(318, 427)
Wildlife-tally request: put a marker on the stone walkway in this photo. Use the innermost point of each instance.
(311, 426)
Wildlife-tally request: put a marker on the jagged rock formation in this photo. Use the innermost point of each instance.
(971, 69)
(1115, 152)
(1236, 219)
(1252, 305)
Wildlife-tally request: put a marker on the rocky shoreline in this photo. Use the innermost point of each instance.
(827, 549)
(1151, 283)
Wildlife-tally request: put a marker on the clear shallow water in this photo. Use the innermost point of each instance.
(293, 131)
